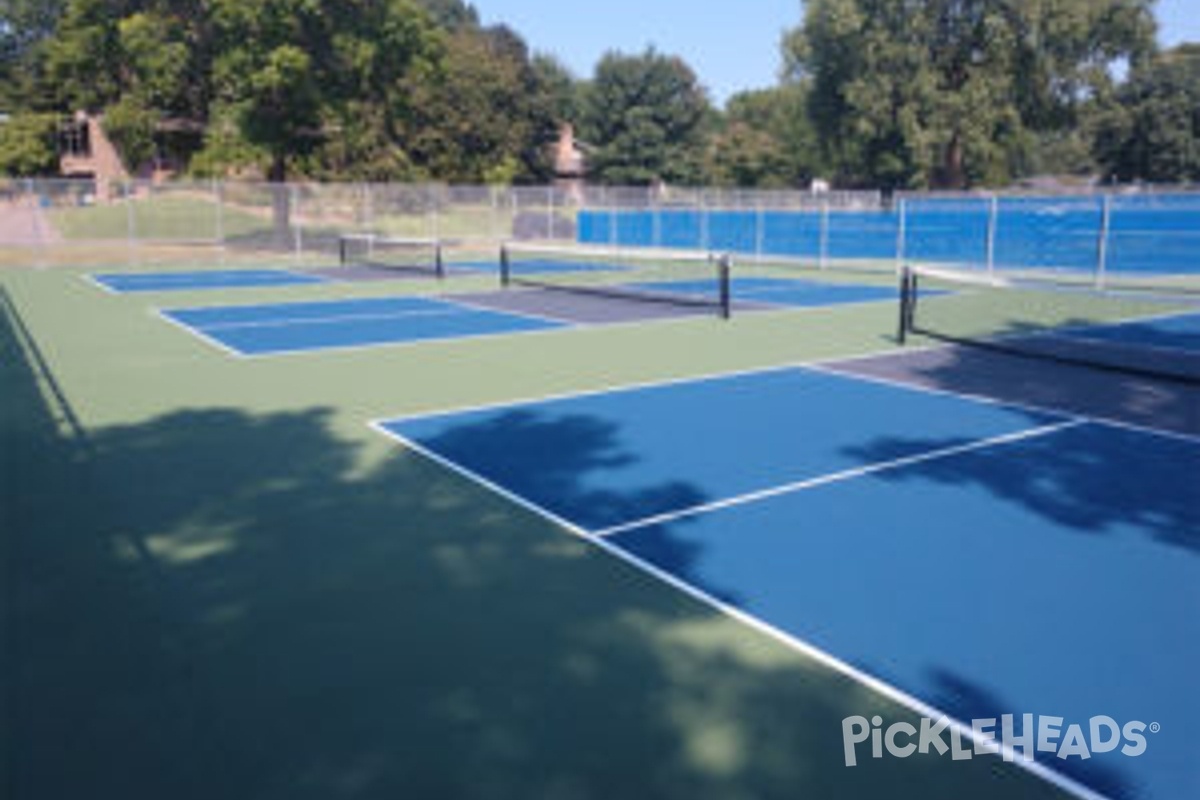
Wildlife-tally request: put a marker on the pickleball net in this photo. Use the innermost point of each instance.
(686, 279)
(414, 255)
(1154, 334)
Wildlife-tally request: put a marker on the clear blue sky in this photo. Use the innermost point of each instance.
(732, 45)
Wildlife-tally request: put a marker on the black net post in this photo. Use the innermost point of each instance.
(724, 270)
(505, 267)
(908, 298)
(342, 251)
(439, 261)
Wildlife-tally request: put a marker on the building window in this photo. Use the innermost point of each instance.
(75, 139)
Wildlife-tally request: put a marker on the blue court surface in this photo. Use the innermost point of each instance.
(980, 558)
(297, 327)
(1179, 332)
(123, 283)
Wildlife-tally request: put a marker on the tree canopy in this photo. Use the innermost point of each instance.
(645, 117)
(873, 93)
(1153, 132)
(955, 92)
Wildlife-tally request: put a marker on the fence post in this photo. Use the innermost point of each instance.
(760, 229)
(41, 236)
(901, 233)
(219, 219)
(434, 221)
(297, 234)
(823, 235)
(131, 231)
(368, 207)
(1102, 241)
(993, 221)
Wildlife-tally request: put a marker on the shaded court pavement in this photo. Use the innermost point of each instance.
(217, 603)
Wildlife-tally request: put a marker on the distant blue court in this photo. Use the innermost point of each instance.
(253, 330)
(123, 283)
(1179, 332)
(983, 558)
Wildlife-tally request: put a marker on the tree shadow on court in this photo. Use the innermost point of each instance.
(964, 699)
(215, 603)
(560, 463)
(1115, 486)
(1083, 480)
(1091, 480)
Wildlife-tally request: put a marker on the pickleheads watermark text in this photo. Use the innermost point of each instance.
(1009, 736)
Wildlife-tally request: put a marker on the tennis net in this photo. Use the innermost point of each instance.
(685, 278)
(1151, 334)
(374, 251)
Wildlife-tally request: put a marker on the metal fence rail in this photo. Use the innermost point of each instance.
(1099, 237)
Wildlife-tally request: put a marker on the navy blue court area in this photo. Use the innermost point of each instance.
(123, 283)
(1179, 332)
(982, 558)
(297, 327)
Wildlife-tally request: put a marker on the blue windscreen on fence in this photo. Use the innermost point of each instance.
(1137, 234)
(945, 233)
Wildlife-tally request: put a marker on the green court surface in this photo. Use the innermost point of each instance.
(219, 581)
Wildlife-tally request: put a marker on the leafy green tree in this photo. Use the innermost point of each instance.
(955, 92)
(27, 145)
(130, 127)
(451, 14)
(83, 60)
(560, 93)
(743, 156)
(765, 140)
(1153, 132)
(156, 57)
(25, 25)
(645, 117)
(479, 114)
(298, 74)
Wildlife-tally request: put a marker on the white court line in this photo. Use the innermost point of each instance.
(180, 286)
(333, 319)
(95, 281)
(827, 366)
(838, 477)
(480, 306)
(447, 339)
(199, 334)
(720, 376)
(788, 640)
(832, 368)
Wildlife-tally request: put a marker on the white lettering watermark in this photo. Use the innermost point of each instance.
(985, 737)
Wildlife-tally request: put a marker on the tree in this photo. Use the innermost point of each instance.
(83, 59)
(25, 25)
(301, 80)
(765, 140)
(954, 92)
(1153, 132)
(480, 114)
(645, 117)
(451, 14)
(559, 91)
(27, 145)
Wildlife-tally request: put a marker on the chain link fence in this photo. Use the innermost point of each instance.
(1100, 236)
